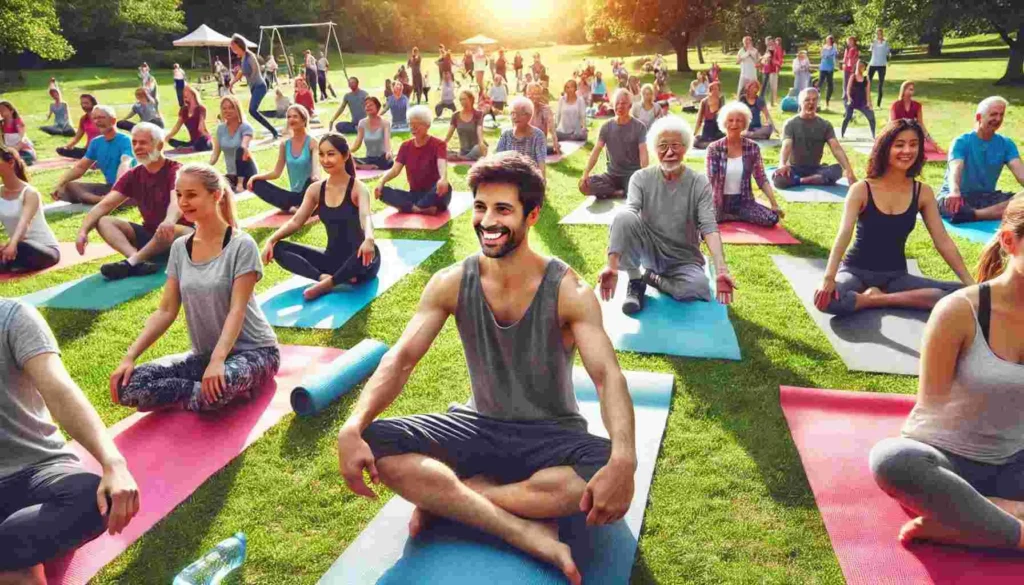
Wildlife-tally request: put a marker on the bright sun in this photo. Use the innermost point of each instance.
(519, 10)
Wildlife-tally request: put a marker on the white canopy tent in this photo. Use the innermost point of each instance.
(274, 31)
(479, 40)
(205, 36)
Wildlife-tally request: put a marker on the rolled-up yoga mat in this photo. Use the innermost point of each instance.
(350, 368)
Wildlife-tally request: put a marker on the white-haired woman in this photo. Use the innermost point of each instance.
(424, 158)
(571, 120)
(647, 110)
(730, 163)
(522, 137)
(299, 155)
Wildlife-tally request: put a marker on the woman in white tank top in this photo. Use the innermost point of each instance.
(30, 243)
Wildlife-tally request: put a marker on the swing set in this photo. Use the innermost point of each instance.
(274, 32)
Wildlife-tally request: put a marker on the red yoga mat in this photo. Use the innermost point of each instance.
(274, 218)
(737, 232)
(171, 453)
(392, 219)
(53, 163)
(933, 154)
(68, 257)
(834, 431)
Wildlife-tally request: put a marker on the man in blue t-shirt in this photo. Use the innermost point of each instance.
(111, 152)
(976, 160)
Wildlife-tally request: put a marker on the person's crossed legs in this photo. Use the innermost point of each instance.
(808, 175)
(857, 290)
(139, 247)
(978, 206)
(83, 192)
(607, 186)
(426, 203)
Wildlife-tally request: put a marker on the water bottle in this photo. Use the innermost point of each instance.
(212, 567)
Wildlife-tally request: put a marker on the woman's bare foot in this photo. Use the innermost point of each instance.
(926, 529)
(319, 289)
(1011, 507)
(419, 521)
(863, 300)
(541, 541)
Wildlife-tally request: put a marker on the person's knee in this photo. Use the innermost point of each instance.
(897, 463)
(626, 222)
(780, 181)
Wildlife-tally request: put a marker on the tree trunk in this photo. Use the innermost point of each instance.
(1015, 65)
(933, 39)
(700, 51)
(681, 44)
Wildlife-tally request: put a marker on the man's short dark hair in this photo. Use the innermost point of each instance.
(510, 168)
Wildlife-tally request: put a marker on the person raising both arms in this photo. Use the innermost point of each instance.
(343, 205)
(959, 464)
(299, 155)
(424, 160)
(884, 207)
(111, 152)
(518, 454)
(30, 243)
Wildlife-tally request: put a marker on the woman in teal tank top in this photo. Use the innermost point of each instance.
(298, 154)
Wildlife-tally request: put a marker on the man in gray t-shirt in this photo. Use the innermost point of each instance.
(355, 101)
(656, 237)
(625, 137)
(804, 137)
(50, 503)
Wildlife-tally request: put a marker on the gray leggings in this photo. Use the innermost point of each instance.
(950, 489)
(634, 242)
(851, 281)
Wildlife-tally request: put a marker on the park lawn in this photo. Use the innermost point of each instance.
(729, 501)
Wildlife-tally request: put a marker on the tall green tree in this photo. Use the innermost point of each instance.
(119, 32)
(31, 25)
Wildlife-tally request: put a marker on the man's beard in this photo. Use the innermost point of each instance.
(153, 157)
(511, 243)
(671, 167)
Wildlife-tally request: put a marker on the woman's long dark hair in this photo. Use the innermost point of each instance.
(878, 162)
(341, 145)
(11, 156)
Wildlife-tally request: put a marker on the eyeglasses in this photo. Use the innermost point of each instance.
(675, 146)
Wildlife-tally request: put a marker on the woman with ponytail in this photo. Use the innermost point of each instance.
(343, 202)
(212, 272)
(959, 465)
(30, 244)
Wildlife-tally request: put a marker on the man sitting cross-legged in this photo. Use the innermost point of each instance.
(625, 138)
(804, 137)
(425, 161)
(656, 237)
(518, 453)
(111, 153)
(151, 186)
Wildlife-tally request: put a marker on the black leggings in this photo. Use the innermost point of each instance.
(73, 152)
(869, 114)
(127, 126)
(32, 257)
(46, 510)
(829, 78)
(243, 169)
(881, 81)
(311, 263)
(201, 144)
(279, 197)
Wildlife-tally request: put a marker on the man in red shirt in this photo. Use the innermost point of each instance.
(424, 158)
(150, 185)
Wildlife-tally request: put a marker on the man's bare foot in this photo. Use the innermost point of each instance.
(318, 290)
(812, 180)
(541, 541)
(419, 521)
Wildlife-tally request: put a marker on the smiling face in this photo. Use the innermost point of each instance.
(6, 113)
(295, 120)
(228, 112)
(623, 104)
(992, 120)
(520, 116)
(197, 204)
(86, 104)
(466, 101)
(735, 124)
(396, 88)
(146, 152)
(332, 161)
(670, 150)
(498, 219)
(371, 108)
(903, 153)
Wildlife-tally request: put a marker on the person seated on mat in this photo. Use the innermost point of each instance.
(304, 97)
(146, 108)
(111, 152)
(858, 98)
(656, 237)
(760, 128)
(730, 164)
(423, 157)
(447, 101)
(957, 465)
(804, 137)
(543, 117)
(498, 95)
(469, 123)
(707, 118)
(907, 107)
(699, 87)
(647, 110)
(151, 186)
(976, 160)
(354, 100)
(86, 129)
(212, 272)
(626, 139)
(61, 118)
(518, 454)
(193, 117)
(30, 243)
(523, 138)
(398, 105)
(571, 119)
(281, 104)
(343, 204)
(375, 132)
(884, 207)
(233, 137)
(51, 503)
(299, 155)
(599, 93)
(14, 131)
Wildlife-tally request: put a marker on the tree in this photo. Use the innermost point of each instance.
(1005, 18)
(31, 25)
(119, 32)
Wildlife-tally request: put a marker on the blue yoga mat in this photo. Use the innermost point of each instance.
(326, 385)
(285, 307)
(975, 231)
(456, 555)
(96, 293)
(667, 326)
(813, 193)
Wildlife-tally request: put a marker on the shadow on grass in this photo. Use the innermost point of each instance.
(70, 325)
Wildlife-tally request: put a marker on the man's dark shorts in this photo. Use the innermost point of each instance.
(143, 237)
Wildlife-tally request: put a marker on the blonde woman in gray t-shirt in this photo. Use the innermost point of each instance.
(212, 273)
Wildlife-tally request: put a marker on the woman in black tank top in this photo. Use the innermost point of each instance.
(884, 208)
(858, 92)
(351, 256)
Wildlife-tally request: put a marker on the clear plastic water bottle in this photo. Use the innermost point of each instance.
(211, 568)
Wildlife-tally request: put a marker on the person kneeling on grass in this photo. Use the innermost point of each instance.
(51, 503)
(884, 207)
(804, 137)
(518, 455)
(343, 204)
(151, 186)
(212, 272)
(111, 152)
(469, 123)
(423, 157)
(299, 154)
(976, 160)
(30, 244)
(959, 464)
(626, 139)
(656, 237)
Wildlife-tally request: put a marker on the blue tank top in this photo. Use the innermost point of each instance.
(882, 238)
(300, 168)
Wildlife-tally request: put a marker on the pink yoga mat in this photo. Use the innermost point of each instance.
(52, 163)
(171, 453)
(391, 219)
(366, 174)
(834, 431)
(68, 257)
(737, 232)
(274, 218)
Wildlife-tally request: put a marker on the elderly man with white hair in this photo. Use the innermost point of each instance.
(524, 138)
(151, 186)
(626, 139)
(656, 237)
(976, 160)
(424, 158)
(111, 152)
(804, 137)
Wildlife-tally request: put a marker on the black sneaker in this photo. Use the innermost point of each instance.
(634, 296)
(122, 269)
(965, 215)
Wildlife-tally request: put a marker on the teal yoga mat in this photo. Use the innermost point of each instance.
(319, 389)
(456, 555)
(96, 293)
(975, 231)
(285, 307)
(667, 326)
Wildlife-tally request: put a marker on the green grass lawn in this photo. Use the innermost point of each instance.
(729, 502)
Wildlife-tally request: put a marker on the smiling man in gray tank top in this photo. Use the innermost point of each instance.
(518, 453)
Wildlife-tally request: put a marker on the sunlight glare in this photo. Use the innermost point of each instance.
(519, 10)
